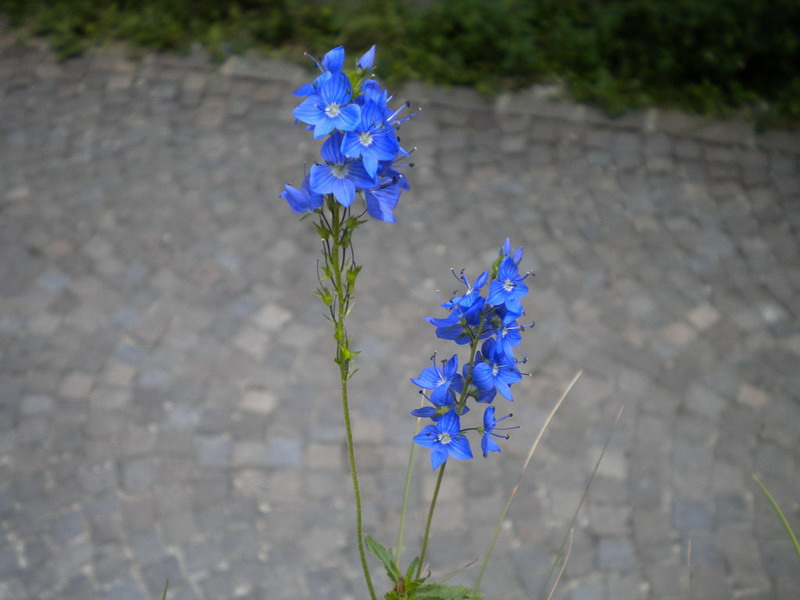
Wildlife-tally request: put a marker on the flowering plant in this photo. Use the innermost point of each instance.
(359, 175)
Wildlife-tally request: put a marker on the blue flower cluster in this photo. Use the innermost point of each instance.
(360, 153)
(474, 319)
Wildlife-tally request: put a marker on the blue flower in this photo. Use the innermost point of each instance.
(468, 297)
(445, 439)
(508, 287)
(367, 59)
(516, 255)
(371, 140)
(340, 176)
(332, 61)
(329, 107)
(489, 426)
(383, 199)
(302, 200)
(462, 323)
(445, 381)
(506, 330)
(495, 371)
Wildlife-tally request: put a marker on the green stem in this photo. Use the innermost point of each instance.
(459, 408)
(430, 518)
(337, 260)
(406, 489)
(356, 489)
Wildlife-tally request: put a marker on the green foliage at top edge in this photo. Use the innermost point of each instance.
(716, 57)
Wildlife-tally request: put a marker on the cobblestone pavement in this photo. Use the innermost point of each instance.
(168, 406)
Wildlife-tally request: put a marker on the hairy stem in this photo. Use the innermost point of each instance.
(336, 256)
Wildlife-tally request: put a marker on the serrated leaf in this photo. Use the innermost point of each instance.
(441, 591)
(385, 556)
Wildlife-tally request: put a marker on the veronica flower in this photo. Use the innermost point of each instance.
(516, 255)
(508, 287)
(445, 381)
(507, 331)
(302, 200)
(445, 439)
(333, 61)
(489, 426)
(496, 371)
(329, 107)
(462, 323)
(340, 176)
(382, 200)
(468, 297)
(371, 140)
(367, 59)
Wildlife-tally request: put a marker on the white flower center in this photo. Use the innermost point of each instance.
(508, 285)
(333, 110)
(339, 171)
(495, 370)
(444, 438)
(365, 138)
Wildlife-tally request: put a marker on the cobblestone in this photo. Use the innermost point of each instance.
(168, 408)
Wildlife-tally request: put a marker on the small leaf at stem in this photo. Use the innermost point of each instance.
(352, 273)
(325, 295)
(385, 556)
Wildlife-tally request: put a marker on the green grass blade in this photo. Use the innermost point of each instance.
(164, 595)
(780, 514)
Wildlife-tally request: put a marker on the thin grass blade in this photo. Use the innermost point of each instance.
(583, 497)
(563, 566)
(513, 493)
(779, 512)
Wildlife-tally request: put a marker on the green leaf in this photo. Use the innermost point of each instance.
(352, 273)
(325, 295)
(385, 556)
(323, 231)
(412, 568)
(441, 591)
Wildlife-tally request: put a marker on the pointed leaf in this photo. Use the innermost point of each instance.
(385, 556)
(412, 568)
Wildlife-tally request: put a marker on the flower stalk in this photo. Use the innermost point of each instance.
(341, 269)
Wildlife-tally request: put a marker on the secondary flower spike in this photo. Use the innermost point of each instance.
(484, 318)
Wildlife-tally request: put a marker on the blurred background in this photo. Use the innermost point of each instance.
(168, 400)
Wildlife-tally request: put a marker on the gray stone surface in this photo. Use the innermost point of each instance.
(168, 405)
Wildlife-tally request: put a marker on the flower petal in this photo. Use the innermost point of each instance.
(334, 59)
(459, 448)
(349, 117)
(439, 455)
(367, 59)
(309, 111)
